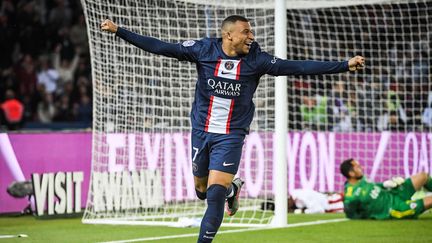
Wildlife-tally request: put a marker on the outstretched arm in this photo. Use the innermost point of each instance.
(275, 66)
(150, 44)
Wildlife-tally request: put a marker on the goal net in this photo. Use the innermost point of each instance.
(379, 116)
(141, 161)
(141, 168)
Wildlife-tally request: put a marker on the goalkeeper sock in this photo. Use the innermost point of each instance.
(428, 184)
(214, 214)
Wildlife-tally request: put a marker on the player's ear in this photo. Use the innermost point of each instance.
(229, 36)
(226, 34)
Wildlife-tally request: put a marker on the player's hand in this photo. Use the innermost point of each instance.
(398, 180)
(389, 184)
(108, 25)
(356, 63)
(393, 183)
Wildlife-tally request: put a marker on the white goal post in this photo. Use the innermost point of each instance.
(141, 169)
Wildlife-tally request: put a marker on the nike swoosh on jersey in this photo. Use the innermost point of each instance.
(227, 164)
(232, 73)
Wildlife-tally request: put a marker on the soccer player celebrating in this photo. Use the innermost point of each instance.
(388, 200)
(229, 69)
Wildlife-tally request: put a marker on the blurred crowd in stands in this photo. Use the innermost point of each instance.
(393, 93)
(45, 71)
(361, 106)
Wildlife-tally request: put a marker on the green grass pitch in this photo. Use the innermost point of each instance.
(72, 230)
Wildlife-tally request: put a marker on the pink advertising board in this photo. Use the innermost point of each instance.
(41, 153)
(313, 159)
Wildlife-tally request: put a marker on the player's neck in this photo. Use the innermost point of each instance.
(228, 49)
(353, 181)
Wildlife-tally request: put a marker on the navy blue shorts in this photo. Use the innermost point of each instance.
(212, 151)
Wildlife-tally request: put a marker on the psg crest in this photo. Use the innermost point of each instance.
(229, 65)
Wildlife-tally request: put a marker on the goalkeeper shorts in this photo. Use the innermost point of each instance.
(407, 209)
(403, 207)
(405, 191)
(212, 151)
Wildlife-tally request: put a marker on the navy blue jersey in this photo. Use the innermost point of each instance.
(226, 85)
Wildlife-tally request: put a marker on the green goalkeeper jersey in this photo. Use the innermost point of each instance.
(367, 200)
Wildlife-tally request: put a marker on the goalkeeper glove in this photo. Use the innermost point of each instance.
(399, 180)
(394, 182)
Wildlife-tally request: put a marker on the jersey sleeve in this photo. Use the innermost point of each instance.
(186, 51)
(353, 210)
(272, 65)
(352, 204)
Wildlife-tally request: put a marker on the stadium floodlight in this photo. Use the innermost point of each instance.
(141, 172)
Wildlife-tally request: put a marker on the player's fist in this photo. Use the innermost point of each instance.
(393, 183)
(389, 184)
(108, 25)
(398, 180)
(356, 63)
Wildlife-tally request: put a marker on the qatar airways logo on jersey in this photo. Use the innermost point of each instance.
(224, 88)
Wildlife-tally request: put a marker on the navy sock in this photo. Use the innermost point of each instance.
(201, 195)
(230, 191)
(214, 214)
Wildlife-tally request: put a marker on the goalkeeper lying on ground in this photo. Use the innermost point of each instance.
(388, 200)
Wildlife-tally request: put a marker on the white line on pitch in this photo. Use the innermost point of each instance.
(229, 231)
(13, 236)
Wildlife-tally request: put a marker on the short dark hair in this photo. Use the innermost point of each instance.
(232, 19)
(346, 167)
